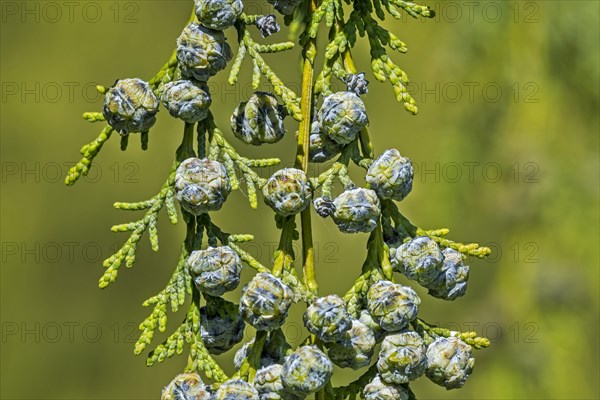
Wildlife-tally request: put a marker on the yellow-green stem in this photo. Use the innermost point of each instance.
(308, 258)
(186, 149)
(309, 54)
(382, 254)
(284, 254)
(254, 358)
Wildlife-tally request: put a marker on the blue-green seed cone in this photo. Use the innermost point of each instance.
(215, 270)
(273, 352)
(449, 362)
(327, 318)
(355, 349)
(236, 389)
(321, 148)
(243, 353)
(220, 332)
(342, 116)
(267, 382)
(379, 390)
(306, 370)
(130, 106)
(186, 100)
(259, 120)
(366, 319)
(324, 206)
(356, 210)
(392, 306)
(269, 385)
(288, 191)
(393, 244)
(357, 83)
(402, 358)
(201, 185)
(452, 281)
(420, 260)
(187, 386)
(202, 52)
(285, 7)
(265, 302)
(267, 25)
(391, 175)
(218, 14)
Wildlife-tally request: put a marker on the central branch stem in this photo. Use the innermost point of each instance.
(308, 55)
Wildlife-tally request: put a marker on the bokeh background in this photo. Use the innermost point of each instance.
(506, 152)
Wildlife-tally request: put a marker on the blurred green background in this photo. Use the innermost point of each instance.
(505, 147)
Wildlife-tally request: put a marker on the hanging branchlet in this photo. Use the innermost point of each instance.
(173, 294)
(408, 230)
(289, 98)
(361, 21)
(93, 116)
(383, 67)
(343, 330)
(189, 332)
(343, 36)
(467, 249)
(248, 47)
(355, 296)
(237, 64)
(89, 152)
(325, 11)
(199, 358)
(273, 48)
(413, 9)
(470, 338)
(127, 253)
(326, 179)
(174, 344)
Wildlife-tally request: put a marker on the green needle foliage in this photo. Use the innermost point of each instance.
(207, 167)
